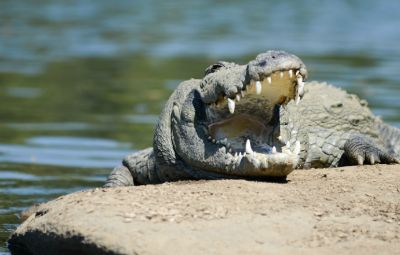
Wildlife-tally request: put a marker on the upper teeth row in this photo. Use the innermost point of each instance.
(258, 85)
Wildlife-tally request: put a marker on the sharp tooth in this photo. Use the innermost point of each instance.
(297, 148)
(288, 144)
(258, 87)
(269, 79)
(231, 105)
(297, 97)
(297, 72)
(248, 147)
(281, 74)
(280, 138)
(242, 93)
(299, 79)
(300, 84)
(213, 140)
(238, 97)
(290, 73)
(300, 88)
(273, 150)
(236, 154)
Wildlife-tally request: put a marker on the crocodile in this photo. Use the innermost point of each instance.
(258, 120)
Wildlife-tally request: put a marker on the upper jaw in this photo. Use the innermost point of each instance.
(272, 61)
(276, 87)
(257, 72)
(275, 64)
(261, 74)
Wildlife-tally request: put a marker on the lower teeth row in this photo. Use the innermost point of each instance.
(249, 150)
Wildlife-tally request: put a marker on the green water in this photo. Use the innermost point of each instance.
(82, 82)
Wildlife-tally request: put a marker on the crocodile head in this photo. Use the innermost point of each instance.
(238, 116)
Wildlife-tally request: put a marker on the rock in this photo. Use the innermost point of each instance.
(225, 217)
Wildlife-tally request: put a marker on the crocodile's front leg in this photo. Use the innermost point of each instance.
(120, 176)
(137, 168)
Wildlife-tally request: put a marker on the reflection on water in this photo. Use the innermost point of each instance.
(82, 82)
(73, 152)
(36, 32)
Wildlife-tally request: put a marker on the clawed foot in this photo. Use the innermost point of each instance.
(360, 151)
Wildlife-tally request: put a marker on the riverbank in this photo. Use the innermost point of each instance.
(352, 210)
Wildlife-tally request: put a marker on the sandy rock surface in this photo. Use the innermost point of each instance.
(353, 210)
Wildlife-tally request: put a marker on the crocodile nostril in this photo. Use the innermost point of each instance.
(262, 63)
(273, 56)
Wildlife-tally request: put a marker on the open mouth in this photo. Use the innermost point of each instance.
(247, 125)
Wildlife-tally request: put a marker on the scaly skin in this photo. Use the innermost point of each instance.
(328, 122)
(331, 127)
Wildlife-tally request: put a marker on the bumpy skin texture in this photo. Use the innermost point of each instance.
(334, 129)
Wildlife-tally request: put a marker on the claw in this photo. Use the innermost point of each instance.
(372, 160)
(360, 160)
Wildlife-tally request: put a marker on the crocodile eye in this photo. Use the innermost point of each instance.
(213, 68)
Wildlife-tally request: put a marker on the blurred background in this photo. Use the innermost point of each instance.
(82, 82)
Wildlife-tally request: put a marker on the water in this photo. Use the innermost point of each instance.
(82, 82)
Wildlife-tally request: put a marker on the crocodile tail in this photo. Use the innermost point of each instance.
(391, 137)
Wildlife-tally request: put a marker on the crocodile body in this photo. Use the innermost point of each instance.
(247, 121)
